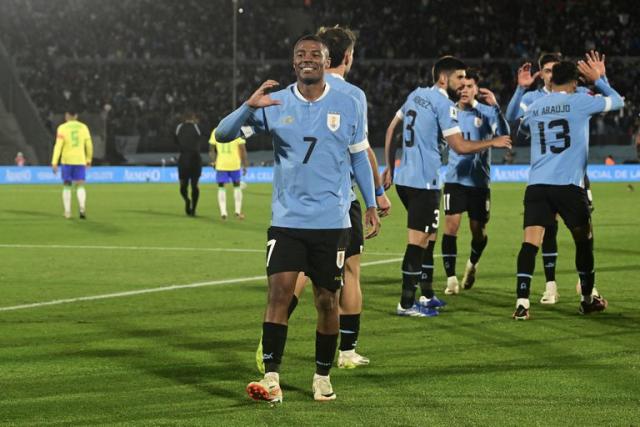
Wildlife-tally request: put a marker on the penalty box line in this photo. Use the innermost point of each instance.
(161, 289)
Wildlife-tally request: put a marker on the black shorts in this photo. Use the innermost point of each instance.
(189, 166)
(542, 203)
(320, 254)
(356, 232)
(473, 200)
(423, 208)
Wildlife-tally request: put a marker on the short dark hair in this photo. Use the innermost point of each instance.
(547, 57)
(311, 37)
(71, 109)
(473, 74)
(338, 40)
(564, 72)
(447, 64)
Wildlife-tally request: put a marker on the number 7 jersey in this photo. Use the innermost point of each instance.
(559, 127)
(311, 144)
(428, 116)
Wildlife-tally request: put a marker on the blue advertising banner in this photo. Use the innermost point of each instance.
(141, 174)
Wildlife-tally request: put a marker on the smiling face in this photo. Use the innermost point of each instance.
(310, 58)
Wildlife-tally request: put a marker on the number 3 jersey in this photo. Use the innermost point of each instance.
(559, 128)
(428, 115)
(311, 144)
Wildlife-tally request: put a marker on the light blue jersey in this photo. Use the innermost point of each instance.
(428, 116)
(337, 82)
(315, 144)
(521, 100)
(559, 128)
(477, 123)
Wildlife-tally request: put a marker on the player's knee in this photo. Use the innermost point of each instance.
(326, 301)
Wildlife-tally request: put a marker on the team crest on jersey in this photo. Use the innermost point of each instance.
(333, 121)
(477, 122)
(453, 112)
(287, 120)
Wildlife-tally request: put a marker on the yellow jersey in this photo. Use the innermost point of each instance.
(73, 144)
(228, 153)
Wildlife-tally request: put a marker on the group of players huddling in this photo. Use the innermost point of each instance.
(319, 130)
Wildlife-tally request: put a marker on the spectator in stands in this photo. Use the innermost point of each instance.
(20, 160)
(609, 161)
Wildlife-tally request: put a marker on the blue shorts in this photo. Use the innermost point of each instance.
(223, 177)
(73, 172)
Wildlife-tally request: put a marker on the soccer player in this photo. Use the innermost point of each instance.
(518, 105)
(559, 127)
(466, 187)
(428, 115)
(231, 156)
(188, 137)
(74, 150)
(318, 133)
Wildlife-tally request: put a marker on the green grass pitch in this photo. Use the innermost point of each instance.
(184, 356)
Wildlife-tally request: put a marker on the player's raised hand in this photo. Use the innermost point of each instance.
(387, 178)
(384, 205)
(487, 96)
(261, 98)
(596, 61)
(501, 142)
(590, 73)
(525, 78)
(372, 223)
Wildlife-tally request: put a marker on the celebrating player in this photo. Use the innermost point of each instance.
(559, 127)
(318, 133)
(227, 162)
(428, 115)
(74, 149)
(466, 187)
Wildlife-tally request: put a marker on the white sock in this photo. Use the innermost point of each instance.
(222, 201)
(66, 200)
(237, 197)
(82, 197)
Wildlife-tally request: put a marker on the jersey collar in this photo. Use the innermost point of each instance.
(336, 75)
(545, 90)
(298, 95)
(474, 103)
(442, 91)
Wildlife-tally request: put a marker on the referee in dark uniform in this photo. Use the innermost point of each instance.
(188, 137)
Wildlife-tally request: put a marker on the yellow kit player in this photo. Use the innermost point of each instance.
(228, 159)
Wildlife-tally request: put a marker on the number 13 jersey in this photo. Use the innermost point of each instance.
(311, 144)
(428, 116)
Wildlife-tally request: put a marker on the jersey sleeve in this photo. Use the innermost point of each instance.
(212, 138)
(497, 122)
(448, 118)
(245, 121)
(514, 109)
(88, 144)
(57, 149)
(359, 140)
(241, 141)
(365, 108)
(610, 100)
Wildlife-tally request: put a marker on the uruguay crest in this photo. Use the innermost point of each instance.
(477, 121)
(333, 121)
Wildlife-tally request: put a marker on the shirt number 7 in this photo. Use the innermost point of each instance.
(313, 141)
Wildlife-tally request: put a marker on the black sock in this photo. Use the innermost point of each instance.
(584, 265)
(550, 251)
(325, 352)
(449, 254)
(426, 278)
(274, 337)
(477, 246)
(349, 330)
(195, 195)
(526, 265)
(292, 306)
(411, 271)
(184, 185)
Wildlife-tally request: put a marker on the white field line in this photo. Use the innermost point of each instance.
(161, 289)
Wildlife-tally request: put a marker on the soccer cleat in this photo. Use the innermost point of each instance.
(322, 389)
(187, 207)
(413, 311)
(469, 277)
(453, 288)
(550, 294)
(434, 302)
(239, 216)
(224, 217)
(259, 359)
(267, 389)
(522, 309)
(349, 359)
(597, 304)
(67, 215)
(83, 215)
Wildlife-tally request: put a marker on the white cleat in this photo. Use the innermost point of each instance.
(469, 277)
(349, 359)
(550, 295)
(322, 389)
(413, 311)
(453, 288)
(267, 389)
(67, 215)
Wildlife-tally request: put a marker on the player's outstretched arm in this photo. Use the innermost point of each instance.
(499, 124)
(463, 146)
(389, 153)
(229, 127)
(611, 98)
(525, 80)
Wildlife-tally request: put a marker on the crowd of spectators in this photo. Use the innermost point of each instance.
(142, 62)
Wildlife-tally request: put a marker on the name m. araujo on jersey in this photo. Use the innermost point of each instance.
(315, 143)
(428, 116)
(477, 123)
(559, 128)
